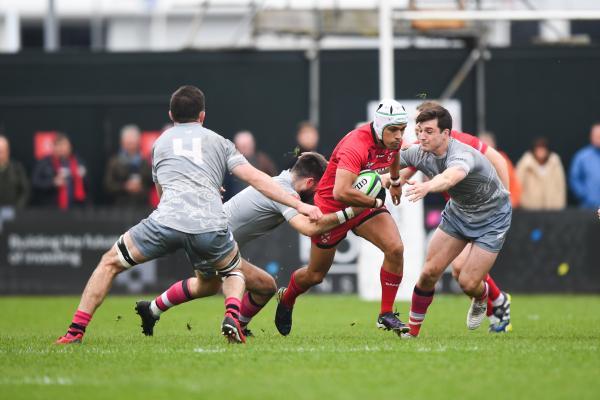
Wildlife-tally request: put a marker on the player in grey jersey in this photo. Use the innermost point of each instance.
(252, 215)
(478, 211)
(189, 163)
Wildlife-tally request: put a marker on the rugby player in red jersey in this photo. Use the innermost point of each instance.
(372, 146)
(498, 307)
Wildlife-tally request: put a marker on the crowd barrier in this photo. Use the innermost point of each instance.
(52, 252)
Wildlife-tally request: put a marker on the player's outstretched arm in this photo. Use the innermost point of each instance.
(439, 183)
(500, 165)
(270, 188)
(329, 221)
(344, 191)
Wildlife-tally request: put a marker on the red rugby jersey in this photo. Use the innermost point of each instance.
(357, 151)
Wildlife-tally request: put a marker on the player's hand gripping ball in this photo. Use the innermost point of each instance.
(369, 183)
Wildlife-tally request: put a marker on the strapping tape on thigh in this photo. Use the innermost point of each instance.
(233, 264)
(124, 257)
(233, 273)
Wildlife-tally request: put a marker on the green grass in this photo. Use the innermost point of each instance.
(334, 352)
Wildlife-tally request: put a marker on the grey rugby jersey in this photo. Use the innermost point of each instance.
(478, 195)
(251, 214)
(189, 162)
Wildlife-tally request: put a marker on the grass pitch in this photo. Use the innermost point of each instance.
(334, 352)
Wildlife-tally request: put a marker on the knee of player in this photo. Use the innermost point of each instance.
(110, 262)
(468, 284)
(396, 252)
(271, 288)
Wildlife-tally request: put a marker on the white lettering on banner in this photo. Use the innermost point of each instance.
(52, 250)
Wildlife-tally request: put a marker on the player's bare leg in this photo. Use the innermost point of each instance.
(260, 283)
(260, 287)
(111, 264)
(179, 293)
(499, 302)
(442, 249)
(234, 285)
(472, 281)
(302, 279)
(381, 230)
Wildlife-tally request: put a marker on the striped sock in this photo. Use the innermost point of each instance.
(421, 300)
(80, 321)
(178, 293)
(249, 309)
(233, 306)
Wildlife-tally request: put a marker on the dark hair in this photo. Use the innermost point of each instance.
(61, 136)
(444, 119)
(540, 142)
(310, 165)
(186, 104)
(427, 104)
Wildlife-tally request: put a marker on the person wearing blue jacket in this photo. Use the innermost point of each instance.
(584, 175)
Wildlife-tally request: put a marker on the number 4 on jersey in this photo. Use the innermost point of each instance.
(195, 154)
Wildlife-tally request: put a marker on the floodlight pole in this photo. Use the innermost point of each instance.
(386, 50)
(51, 32)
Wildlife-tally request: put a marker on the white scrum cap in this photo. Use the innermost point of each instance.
(389, 112)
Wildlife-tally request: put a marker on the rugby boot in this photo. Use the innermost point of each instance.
(142, 308)
(73, 336)
(476, 313)
(231, 329)
(500, 318)
(390, 322)
(283, 315)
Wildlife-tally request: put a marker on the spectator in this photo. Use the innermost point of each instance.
(307, 139)
(515, 185)
(542, 177)
(128, 177)
(245, 143)
(585, 171)
(60, 179)
(13, 179)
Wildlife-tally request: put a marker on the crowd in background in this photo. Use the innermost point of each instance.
(59, 180)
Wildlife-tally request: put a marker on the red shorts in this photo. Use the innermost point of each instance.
(332, 238)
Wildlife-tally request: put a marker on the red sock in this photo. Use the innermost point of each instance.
(389, 287)
(418, 308)
(494, 289)
(233, 306)
(490, 307)
(292, 291)
(484, 295)
(249, 308)
(178, 293)
(80, 321)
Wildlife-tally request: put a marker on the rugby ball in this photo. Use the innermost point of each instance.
(368, 182)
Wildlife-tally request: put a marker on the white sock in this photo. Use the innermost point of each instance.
(499, 300)
(154, 309)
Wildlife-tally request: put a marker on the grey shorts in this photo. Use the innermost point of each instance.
(488, 234)
(203, 250)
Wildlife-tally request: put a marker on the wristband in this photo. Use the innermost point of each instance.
(344, 215)
(378, 203)
(395, 182)
(349, 212)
